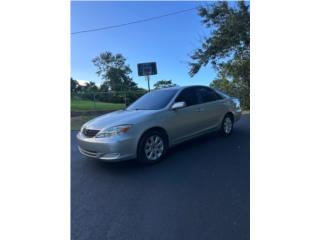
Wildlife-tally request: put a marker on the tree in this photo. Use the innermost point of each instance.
(228, 46)
(164, 84)
(73, 85)
(222, 83)
(91, 87)
(114, 72)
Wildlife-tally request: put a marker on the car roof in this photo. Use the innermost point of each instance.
(179, 87)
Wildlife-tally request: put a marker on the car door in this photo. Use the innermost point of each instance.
(214, 107)
(186, 122)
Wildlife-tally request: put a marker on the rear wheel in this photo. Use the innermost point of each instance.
(152, 147)
(227, 125)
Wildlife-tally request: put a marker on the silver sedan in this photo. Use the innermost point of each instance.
(157, 121)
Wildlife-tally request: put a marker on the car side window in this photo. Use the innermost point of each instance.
(208, 95)
(189, 96)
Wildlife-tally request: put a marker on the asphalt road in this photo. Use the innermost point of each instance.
(201, 191)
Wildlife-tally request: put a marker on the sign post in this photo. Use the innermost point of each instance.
(148, 80)
(147, 69)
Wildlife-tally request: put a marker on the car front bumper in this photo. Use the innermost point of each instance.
(113, 149)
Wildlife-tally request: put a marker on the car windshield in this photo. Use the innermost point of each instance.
(154, 100)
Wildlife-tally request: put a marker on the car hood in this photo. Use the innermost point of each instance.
(118, 118)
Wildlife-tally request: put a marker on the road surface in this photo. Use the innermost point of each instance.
(200, 191)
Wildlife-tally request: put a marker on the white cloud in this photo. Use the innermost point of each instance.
(82, 82)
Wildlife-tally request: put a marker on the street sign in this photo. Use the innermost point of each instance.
(147, 69)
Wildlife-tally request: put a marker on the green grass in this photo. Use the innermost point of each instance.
(87, 105)
(77, 122)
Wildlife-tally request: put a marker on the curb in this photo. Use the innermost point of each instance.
(88, 113)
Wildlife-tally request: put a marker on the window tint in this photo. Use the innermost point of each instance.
(154, 100)
(208, 95)
(188, 96)
(223, 95)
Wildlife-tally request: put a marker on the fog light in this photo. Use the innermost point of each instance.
(110, 156)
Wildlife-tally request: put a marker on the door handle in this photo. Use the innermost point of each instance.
(200, 109)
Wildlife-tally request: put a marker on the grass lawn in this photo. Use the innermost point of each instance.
(87, 105)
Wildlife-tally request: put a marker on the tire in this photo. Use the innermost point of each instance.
(152, 147)
(227, 125)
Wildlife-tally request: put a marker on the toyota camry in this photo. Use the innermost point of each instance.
(157, 121)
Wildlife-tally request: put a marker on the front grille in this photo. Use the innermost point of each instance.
(89, 132)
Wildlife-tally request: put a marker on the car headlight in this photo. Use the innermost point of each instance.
(113, 131)
(83, 126)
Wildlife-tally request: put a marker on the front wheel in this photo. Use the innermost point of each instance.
(227, 125)
(152, 147)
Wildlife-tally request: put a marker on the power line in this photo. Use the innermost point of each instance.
(134, 22)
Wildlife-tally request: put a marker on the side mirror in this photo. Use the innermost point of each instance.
(178, 105)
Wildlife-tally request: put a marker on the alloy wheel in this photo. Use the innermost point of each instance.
(154, 147)
(227, 125)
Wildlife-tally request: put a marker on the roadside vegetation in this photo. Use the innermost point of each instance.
(227, 49)
(88, 105)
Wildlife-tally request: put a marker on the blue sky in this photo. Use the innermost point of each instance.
(168, 41)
